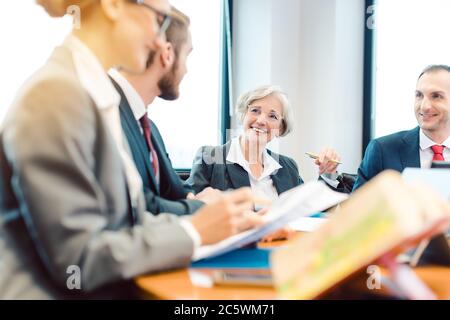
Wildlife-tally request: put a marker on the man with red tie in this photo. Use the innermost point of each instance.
(428, 142)
(164, 191)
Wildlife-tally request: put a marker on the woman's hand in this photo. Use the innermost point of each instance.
(328, 161)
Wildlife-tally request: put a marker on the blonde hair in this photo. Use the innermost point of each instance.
(248, 98)
(58, 8)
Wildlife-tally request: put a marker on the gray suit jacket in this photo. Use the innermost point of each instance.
(64, 200)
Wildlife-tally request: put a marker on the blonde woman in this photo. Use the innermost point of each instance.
(73, 222)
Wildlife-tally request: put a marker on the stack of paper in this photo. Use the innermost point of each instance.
(307, 224)
(301, 201)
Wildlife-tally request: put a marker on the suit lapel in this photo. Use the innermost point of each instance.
(277, 179)
(279, 176)
(409, 152)
(277, 183)
(238, 176)
(137, 142)
(141, 146)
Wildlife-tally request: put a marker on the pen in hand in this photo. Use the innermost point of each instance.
(315, 157)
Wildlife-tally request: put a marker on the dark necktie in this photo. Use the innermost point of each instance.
(145, 123)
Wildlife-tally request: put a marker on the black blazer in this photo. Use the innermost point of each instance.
(210, 169)
(396, 151)
(170, 195)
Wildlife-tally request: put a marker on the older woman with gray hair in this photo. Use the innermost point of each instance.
(265, 113)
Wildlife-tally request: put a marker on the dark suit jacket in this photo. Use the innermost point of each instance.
(170, 195)
(396, 151)
(210, 169)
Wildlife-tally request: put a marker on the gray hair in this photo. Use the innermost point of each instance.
(264, 91)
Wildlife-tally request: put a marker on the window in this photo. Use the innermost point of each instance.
(409, 35)
(29, 37)
(193, 120)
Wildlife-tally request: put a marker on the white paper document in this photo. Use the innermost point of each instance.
(307, 224)
(302, 201)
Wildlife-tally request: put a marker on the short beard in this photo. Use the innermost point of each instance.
(150, 59)
(167, 85)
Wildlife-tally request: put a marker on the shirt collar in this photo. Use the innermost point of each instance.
(426, 142)
(135, 101)
(235, 155)
(92, 76)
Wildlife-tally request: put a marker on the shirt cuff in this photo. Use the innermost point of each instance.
(331, 179)
(186, 224)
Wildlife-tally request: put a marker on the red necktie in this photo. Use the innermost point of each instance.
(145, 123)
(438, 153)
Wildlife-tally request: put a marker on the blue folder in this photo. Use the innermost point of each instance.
(254, 258)
(319, 215)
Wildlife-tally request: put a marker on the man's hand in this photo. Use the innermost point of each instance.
(230, 214)
(208, 195)
(328, 161)
(190, 196)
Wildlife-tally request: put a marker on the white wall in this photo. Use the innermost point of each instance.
(252, 45)
(313, 49)
(28, 38)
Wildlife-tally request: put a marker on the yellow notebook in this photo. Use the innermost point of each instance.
(384, 216)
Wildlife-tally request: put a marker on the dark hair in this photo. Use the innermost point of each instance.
(434, 68)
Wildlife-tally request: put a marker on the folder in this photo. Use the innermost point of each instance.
(255, 258)
(247, 267)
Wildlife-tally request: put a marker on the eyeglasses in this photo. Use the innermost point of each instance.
(164, 18)
(271, 116)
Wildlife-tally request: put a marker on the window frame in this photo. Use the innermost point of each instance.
(369, 91)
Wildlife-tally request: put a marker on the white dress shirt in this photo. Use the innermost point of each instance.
(427, 154)
(263, 186)
(134, 99)
(95, 81)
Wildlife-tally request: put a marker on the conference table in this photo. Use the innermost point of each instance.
(193, 284)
